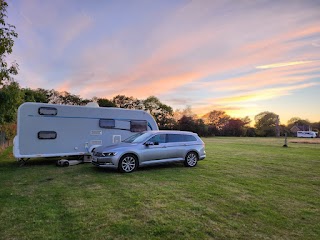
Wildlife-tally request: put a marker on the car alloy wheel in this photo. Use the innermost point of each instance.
(128, 163)
(191, 159)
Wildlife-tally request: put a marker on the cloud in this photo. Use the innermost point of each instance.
(247, 104)
(198, 49)
(265, 94)
(316, 43)
(284, 64)
(75, 27)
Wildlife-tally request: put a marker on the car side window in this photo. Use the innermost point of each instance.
(160, 138)
(171, 138)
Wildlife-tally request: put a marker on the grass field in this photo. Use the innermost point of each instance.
(246, 188)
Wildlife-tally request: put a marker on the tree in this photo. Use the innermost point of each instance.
(251, 132)
(7, 35)
(218, 119)
(178, 114)
(162, 113)
(65, 97)
(266, 123)
(316, 127)
(186, 123)
(297, 121)
(234, 127)
(11, 97)
(38, 95)
(104, 102)
(122, 101)
(246, 120)
(70, 99)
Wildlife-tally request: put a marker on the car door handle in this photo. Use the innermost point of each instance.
(164, 146)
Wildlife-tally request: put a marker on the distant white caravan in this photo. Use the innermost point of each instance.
(306, 134)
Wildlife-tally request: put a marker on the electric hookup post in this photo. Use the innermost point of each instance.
(285, 140)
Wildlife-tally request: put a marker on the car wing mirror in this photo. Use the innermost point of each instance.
(149, 143)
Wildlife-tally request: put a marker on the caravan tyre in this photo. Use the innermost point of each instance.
(128, 163)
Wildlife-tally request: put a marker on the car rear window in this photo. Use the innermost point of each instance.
(189, 138)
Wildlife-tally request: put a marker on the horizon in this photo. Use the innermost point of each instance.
(242, 58)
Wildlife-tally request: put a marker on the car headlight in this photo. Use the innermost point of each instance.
(109, 154)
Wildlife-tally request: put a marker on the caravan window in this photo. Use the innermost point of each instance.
(47, 111)
(138, 126)
(47, 135)
(107, 123)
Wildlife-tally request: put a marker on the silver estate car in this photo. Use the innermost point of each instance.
(152, 147)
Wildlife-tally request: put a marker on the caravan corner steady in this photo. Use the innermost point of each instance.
(51, 130)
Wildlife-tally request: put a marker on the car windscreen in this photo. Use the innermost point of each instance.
(137, 138)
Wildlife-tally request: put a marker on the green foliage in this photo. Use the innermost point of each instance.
(266, 124)
(11, 97)
(10, 130)
(162, 113)
(104, 102)
(218, 119)
(7, 35)
(298, 121)
(234, 127)
(64, 98)
(187, 123)
(122, 101)
(38, 95)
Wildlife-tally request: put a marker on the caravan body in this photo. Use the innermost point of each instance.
(51, 130)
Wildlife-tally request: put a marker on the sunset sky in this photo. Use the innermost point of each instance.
(243, 57)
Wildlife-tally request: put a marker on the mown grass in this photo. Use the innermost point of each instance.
(246, 188)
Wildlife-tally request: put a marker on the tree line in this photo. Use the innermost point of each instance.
(214, 123)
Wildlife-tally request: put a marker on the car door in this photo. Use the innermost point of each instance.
(157, 151)
(175, 146)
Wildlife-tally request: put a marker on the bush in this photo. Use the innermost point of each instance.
(9, 129)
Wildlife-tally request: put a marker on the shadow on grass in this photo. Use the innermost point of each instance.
(161, 166)
(155, 167)
(43, 161)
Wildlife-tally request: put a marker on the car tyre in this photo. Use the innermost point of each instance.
(191, 159)
(128, 163)
(66, 164)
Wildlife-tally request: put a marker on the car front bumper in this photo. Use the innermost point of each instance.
(104, 162)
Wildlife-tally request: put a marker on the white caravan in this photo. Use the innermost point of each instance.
(306, 134)
(51, 130)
